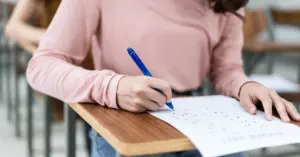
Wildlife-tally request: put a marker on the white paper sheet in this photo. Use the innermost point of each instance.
(218, 125)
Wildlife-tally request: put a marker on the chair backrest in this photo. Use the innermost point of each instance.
(256, 22)
(289, 17)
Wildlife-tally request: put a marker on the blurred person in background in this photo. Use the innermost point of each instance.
(181, 41)
(30, 20)
(27, 26)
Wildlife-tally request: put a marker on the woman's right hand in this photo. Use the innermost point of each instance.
(138, 94)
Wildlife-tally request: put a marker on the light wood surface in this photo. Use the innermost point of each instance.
(134, 134)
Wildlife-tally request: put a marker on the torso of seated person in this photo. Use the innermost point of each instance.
(179, 41)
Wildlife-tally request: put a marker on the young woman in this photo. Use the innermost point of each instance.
(182, 43)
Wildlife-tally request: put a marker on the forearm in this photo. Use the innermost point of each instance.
(29, 47)
(52, 74)
(227, 70)
(52, 69)
(22, 32)
(228, 81)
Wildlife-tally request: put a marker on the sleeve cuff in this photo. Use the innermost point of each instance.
(112, 91)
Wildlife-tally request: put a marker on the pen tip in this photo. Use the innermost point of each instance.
(170, 105)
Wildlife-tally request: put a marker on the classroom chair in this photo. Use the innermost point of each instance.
(265, 36)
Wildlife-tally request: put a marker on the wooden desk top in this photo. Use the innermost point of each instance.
(134, 134)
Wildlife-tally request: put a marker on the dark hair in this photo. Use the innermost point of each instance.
(232, 6)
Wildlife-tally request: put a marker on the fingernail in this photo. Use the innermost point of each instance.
(287, 120)
(252, 110)
(269, 117)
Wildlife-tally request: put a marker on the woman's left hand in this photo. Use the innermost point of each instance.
(251, 93)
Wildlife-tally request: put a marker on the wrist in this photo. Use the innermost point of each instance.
(243, 85)
(112, 91)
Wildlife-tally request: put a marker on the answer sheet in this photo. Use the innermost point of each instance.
(218, 125)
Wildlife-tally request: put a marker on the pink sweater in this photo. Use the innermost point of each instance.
(180, 41)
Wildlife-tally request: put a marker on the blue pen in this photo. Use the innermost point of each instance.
(143, 68)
